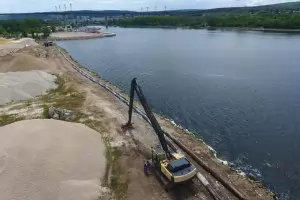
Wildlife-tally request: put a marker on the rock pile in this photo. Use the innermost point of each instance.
(61, 114)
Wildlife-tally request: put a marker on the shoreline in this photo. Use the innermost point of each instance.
(266, 30)
(61, 36)
(116, 91)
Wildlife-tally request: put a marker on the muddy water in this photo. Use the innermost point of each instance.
(239, 91)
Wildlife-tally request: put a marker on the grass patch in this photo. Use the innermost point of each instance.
(45, 111)
(113, 175)
(8, 119)
(118, 184)
(63, 96)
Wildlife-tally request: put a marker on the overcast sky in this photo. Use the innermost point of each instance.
(7, 6)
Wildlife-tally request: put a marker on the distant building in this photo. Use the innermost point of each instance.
(68, 28)
(98, 19)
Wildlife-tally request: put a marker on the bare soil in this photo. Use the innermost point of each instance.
(134, 145)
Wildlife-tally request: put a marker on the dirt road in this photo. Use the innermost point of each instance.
(49, 159)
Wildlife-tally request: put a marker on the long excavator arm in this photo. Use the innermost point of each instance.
(135, 88)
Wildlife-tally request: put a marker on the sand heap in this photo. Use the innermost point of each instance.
(24, 85)
(8, 46)
(49, 159)
(25, 42)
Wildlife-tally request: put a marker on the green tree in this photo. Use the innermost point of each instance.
(46, 32)
(31, 31)
(2, 30)
(53, 29)
(24, 33)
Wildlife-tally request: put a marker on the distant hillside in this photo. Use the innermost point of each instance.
(291, 6)
(278, 16)
(281, 6)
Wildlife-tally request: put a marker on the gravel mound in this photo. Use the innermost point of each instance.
(49, 159)
(24, 85)
(25, 42)
(11, 46)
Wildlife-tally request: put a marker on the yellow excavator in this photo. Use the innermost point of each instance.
(171, 166)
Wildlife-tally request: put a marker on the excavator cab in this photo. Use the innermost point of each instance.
(175, 169)
(158, 155)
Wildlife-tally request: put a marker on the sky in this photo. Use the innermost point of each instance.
(16, 6)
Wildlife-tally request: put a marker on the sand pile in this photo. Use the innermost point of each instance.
(25, 41)
(49, 159)
(24, 62)
(24, 85)
(9, 46)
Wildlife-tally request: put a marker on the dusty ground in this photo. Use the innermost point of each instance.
(129, 149)
(15, 86)
(50, 159)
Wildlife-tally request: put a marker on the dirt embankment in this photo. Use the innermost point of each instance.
(126, 151)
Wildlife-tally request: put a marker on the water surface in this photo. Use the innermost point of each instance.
(239, 91)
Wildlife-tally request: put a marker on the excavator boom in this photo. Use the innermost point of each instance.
(135, 88)
(173, 166)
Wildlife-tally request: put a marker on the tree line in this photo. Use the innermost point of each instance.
(275, 19)
(35, 28)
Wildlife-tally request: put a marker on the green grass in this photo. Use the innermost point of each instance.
(45, 111)
(8, 119)
(113, 176)
(118, 184)
(63, 96)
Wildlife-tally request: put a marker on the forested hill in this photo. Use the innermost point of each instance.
(45, 15)
(278, 16)
(282, 6)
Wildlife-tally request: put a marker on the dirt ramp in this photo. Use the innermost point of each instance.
(49, 159)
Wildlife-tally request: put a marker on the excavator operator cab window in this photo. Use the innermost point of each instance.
(178, 165)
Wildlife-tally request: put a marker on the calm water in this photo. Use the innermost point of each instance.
(239, 91)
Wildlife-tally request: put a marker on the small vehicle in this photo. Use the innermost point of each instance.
(48, 43)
